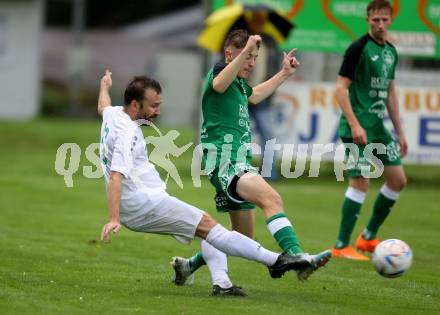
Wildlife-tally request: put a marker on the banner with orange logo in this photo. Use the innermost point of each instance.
(331, 25)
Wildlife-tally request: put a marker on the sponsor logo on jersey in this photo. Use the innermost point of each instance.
(246, 138)
(374, 58)
(388, 57)
(378, 108)
(379, 83)
(372, 93)
(385, 70)
(383, 94)
(380, 94)
(243, 111)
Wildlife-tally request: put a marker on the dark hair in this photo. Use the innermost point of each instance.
(137, 86)
(379, 5)
(237, 39)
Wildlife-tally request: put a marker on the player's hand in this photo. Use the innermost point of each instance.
(290, 63)
(254, 42)
(114, 226)
(403, 145)
(106, 81)
(359, 135)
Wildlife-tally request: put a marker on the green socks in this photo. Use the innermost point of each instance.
(382, 207)
(351, 209)
(283, 232)
(196, 261)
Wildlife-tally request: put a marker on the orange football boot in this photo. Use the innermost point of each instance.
(348, 252)
(366, 245)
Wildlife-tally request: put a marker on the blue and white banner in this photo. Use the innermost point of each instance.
(307, 113)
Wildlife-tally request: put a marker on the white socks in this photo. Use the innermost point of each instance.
(355, 195)
(236, 244)
(217, 263)
(390, 194)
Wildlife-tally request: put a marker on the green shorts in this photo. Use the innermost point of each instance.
(390, 158)
(226, 197)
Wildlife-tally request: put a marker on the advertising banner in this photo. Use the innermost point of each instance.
(307, 113)
(331, 25)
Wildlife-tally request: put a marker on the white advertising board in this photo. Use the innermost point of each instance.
(307, 113)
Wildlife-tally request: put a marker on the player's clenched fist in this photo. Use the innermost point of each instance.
(253, 42)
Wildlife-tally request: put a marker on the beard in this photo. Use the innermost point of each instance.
(144, 116)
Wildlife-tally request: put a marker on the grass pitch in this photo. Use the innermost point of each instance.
(51, 260)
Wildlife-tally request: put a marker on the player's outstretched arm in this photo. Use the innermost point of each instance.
(114, 199)
(357, 132)
(224, 79)
(266, 88)
(394, 113)
(104, 99)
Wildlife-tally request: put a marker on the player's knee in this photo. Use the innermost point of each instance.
(402, 182)
(360, 183)
(398, 183)
(364, 186)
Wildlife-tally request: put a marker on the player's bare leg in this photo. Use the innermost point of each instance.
(395, 177)
(359, 183)
(243, 221)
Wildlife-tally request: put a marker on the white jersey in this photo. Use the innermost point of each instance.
(123, 149)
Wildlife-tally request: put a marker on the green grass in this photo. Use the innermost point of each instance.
(51, 261)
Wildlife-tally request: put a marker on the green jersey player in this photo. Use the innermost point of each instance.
(365, 89)
(226, 138)
(138, 200)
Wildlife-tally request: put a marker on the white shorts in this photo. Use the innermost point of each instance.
(171, 216)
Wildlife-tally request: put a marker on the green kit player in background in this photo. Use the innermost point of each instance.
(365, 89)
(227, 155)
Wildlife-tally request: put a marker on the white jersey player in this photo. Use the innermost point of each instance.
(138, 200)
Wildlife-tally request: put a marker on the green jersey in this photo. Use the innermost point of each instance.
(225, 115)
(371, 67)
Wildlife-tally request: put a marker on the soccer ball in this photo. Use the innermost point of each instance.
(392, 258)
